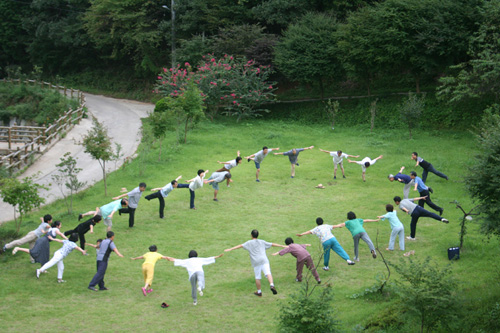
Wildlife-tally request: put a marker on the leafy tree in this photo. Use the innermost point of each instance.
(421, 38)
(22, 195)
(411, 110)
(12, 34)
(308, 51)
(159, 124)
(237, 86)
(480, 76)
(200, 17)
(262, 50)
(192, 50)
(247, 40)
(358, 46)
(57, 40)
(279, 13)
(183, 111)
(426, 291)
(98, 144)
(68, 178)
(124, 30)
(483, 179)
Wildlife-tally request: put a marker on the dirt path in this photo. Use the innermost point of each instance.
(123, 121)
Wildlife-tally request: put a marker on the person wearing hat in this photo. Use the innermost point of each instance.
(402, 178)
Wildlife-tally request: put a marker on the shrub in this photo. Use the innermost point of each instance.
(306, 312)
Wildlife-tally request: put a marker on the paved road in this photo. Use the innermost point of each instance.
(122, 119)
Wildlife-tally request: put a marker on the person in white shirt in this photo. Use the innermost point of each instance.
(329, 242)
(365, 163)
(257, 250)
(338, 157)
(258, 157)
(194, 266)
(194, 184)
(59, 255)
(230, 164)
(163, 193)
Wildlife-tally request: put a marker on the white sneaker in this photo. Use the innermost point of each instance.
(194, 303)
(410, 238)
(200, 291)
(15, 250)
(326, 268)
(350, 262)
(37, 273)
(356, 259)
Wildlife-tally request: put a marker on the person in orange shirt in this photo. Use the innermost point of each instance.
(148, 267)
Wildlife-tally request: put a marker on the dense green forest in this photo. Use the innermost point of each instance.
(330, 48)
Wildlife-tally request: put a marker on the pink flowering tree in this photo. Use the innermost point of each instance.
(229, 86)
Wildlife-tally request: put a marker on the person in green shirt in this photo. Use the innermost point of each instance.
(355, 226)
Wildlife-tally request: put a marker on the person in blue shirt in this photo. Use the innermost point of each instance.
(424, 192)
(402, 178)
(397, 228)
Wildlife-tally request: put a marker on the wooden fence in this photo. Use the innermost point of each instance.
(37, 139)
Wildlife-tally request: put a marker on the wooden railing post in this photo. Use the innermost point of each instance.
(10, 139)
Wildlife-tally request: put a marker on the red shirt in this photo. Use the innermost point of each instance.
(297, 250)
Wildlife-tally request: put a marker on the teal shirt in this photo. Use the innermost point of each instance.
(393, 219)
(355, 226)
(106, 210)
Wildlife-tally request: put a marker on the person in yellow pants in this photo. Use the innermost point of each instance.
(148, 267)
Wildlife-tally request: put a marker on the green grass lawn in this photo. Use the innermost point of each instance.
(278, 207)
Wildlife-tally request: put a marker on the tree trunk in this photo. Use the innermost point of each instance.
(417, 83)
(409, 127)
(104, 177)
(18, 225)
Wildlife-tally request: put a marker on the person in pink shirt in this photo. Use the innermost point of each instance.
(303, 257)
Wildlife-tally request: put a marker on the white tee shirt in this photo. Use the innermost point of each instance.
(364, 160)
(324, 232)
(336, 158)
(197, 183)
(231, 164)
(195, 264)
